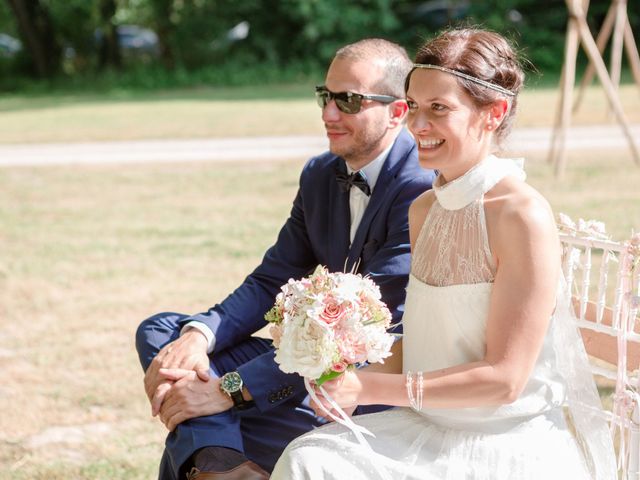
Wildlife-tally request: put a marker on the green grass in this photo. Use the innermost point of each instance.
(224, 112)
(87, 254)
(89, 251)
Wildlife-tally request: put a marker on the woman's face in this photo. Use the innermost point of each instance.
(450, 131)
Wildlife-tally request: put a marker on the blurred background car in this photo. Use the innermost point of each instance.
(136, 40)
(9, 46)
(438, 13)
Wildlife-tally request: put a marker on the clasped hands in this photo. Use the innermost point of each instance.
(179, 386)
(178, 383)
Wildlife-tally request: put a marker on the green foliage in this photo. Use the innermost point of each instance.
(538, 27)
(75, 22)
(287, 38)
(7, 24)
(325, 26)
(156, 77)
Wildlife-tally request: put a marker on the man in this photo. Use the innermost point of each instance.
(230, 410)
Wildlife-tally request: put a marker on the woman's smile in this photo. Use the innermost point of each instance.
(430, 143)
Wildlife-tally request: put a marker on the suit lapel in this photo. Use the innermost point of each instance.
(396, 158)
(339, 223)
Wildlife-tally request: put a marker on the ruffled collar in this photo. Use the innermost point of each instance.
(464, 190)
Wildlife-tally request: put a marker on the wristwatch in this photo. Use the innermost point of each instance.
(231, 384)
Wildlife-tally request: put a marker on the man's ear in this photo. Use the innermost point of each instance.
(397, 112)
(496, 113)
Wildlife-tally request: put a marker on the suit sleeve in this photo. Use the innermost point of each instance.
(270, 386)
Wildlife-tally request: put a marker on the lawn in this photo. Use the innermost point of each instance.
(222, 113)
(88, 252)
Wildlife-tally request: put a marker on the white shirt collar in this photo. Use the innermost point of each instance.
(371, 170)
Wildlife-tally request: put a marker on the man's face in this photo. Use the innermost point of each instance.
(359, 137)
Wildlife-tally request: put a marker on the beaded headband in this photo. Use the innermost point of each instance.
(484, 83)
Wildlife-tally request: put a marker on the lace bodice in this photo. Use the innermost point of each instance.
(453, 246)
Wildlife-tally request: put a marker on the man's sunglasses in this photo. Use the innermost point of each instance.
(348, 102)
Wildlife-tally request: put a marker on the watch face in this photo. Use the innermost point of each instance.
(231, 382)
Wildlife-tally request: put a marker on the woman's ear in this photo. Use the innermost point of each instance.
(496, 114)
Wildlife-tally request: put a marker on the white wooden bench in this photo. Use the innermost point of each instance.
(604, 276)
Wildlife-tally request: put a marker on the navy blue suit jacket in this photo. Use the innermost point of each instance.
(317, 233)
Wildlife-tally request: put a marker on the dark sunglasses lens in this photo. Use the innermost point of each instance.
(322, 97)
(348, 103)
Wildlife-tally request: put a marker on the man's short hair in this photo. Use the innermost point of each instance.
(393, 58)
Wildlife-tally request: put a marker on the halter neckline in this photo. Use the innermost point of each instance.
(478, 180)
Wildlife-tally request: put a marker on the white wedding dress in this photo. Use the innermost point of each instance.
(444, 325)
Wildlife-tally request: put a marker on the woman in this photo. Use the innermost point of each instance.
(483, 326)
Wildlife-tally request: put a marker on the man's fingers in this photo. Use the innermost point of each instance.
(176, 420)
(173, 374)
(172, 414)
(164, 391)
(158, 397)
(166, 412)
(151, 380)
(203, 374)
(186, 353)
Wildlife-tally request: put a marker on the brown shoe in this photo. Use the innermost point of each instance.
(245, 471)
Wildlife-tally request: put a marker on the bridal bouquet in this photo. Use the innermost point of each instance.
(327, 322)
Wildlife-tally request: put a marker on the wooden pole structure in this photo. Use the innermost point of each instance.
(623, 35)
(557, 153)
(578, 33)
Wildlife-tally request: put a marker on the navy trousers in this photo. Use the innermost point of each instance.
(260, 436)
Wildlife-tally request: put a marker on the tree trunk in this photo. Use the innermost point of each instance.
(38, 34)
(162, 11)
(109, 53)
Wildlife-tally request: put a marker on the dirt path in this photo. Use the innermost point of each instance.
(522, 141)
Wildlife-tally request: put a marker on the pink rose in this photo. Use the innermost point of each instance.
(333, 311)
(339, 367)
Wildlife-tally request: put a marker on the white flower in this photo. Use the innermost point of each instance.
(306, 348)
(349, 287)
(379, 344)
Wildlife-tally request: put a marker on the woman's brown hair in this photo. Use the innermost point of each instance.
(481, 54)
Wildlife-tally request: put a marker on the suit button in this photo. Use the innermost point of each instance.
(273, 398)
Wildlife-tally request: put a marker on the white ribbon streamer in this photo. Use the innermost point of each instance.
(343, 418)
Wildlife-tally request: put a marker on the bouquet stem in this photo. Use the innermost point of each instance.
(325, 377)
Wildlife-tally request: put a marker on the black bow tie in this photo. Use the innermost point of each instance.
(356, 179)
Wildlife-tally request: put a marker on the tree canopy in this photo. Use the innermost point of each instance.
(227, 41)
